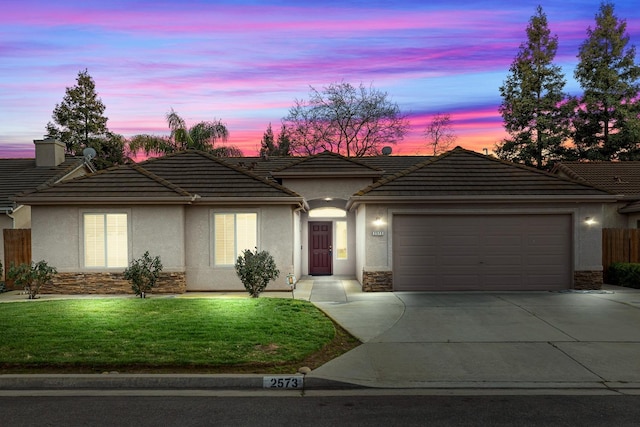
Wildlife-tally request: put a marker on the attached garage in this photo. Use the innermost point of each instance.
(482, 252)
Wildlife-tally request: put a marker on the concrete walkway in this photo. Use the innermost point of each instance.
(490, 340)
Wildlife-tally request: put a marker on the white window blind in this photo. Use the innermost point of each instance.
(105, 240)
(341, 239)
(234, 232)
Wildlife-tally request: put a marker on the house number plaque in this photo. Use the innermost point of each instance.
(377, 233)
(283, 382)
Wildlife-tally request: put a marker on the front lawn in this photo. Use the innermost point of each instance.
(166, 334)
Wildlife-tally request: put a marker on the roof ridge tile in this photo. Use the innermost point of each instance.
(160, 180)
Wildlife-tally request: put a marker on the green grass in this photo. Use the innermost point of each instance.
(170, 332)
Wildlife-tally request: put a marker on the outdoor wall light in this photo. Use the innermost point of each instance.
(378, 222)
(589, 220)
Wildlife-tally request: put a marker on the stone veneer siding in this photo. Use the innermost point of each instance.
(110, 283)
(377, 281)
(585, 280)
(382, 281)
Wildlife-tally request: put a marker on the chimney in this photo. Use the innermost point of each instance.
(49, 152)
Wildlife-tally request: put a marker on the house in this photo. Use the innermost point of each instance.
(619, 178)
(18, 175)
(459, 221)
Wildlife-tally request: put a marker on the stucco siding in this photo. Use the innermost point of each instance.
(336, 188)
(612, 219)
(361, 242)
(22, 217)
(159, 230)
(56, 235)
(275, 235)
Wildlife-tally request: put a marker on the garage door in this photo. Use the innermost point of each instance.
(481, 252)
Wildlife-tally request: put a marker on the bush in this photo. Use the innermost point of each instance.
(31, 276)
(143, 273)
(255, 270)
(624, 274)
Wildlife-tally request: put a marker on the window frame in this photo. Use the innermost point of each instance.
(213, 231)
(346, 239)
(82, 238)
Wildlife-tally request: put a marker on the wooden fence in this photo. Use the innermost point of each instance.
(619, 245)
(17, 249)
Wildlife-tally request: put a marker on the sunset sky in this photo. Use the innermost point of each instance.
(245, 61)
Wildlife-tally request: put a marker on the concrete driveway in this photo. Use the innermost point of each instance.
(498, 340)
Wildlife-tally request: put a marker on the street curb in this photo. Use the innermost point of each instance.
(115, 381)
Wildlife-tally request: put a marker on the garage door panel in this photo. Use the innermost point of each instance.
(502, 260)
(490, 252)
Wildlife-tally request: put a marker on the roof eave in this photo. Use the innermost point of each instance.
(354, 201)
(249, 200)
(181, 200)
(336, 174)
(59, 201)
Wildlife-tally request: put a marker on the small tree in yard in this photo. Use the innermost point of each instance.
(31, 276)
(143, 273)
(255, 270)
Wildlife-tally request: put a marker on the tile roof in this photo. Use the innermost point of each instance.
(614, 177)
(462, 172)
(129, 182)
(327, 164)
(20, 175)
(176, 178)
(208, 176)
(264, 166)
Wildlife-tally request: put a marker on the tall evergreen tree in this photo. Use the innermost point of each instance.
(270, 147)
(284, 142)
(267, 143)
(532, 98)
(79, 122)
(607, 123)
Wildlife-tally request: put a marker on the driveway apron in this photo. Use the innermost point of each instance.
(542, 340)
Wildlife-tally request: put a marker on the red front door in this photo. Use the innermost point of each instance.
(320, 248)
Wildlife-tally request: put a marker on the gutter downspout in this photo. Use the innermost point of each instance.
(8, 212)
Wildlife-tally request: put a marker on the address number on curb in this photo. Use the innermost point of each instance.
(282, 382)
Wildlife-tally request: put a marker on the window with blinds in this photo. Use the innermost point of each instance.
(341, 240)
(233, 233)
(105, 240)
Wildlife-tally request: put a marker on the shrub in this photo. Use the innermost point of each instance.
(143, 273)
(31, 276)
(625, 274)
(255, 270)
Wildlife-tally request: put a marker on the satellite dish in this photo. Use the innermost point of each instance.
(386, 150)
(89, 153)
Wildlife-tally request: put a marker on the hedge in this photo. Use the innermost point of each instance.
(625, 274)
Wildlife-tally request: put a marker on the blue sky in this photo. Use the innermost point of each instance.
(246, 62)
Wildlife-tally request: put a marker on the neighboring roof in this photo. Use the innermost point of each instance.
(615, 177)
(466, 174)
(184, 177)
(327, 164)
(387, 164)
(20, 175)
(393, 164)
